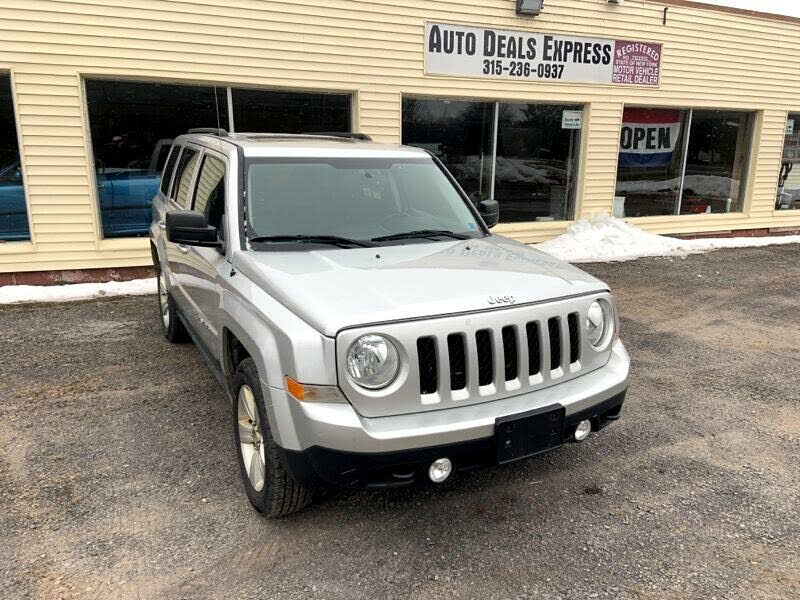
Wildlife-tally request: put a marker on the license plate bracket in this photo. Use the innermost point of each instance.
(533, 432)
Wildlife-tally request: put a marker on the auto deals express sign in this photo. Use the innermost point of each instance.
(480, 52)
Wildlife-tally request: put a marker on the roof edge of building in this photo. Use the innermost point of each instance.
(728, 9)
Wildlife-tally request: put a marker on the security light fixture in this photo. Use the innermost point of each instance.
(529, 7)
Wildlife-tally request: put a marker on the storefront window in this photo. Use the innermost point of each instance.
(132, 127)
(681, 161)
(536, 167)
(13, 211)
(459, 134)
(716, 162)
(789, 177)
(133, 124)
(290, 112)
(650, 160)
(529, 165)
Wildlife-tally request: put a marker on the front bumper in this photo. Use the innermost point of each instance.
(321, 467)
(298, 426)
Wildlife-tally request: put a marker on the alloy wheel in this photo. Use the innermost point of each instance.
(251, 439)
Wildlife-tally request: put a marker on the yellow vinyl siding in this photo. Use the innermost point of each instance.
(374, 50)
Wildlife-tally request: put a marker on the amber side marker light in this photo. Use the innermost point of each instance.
(294, 388)
(305, 392)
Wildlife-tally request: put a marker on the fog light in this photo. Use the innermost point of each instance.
(583, 430)
(440, 470)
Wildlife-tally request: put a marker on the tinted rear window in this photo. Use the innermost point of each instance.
(169, 168)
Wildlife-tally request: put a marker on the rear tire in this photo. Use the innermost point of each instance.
(171, 323)
(270, 487)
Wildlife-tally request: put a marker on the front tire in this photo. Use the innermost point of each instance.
(270, 487)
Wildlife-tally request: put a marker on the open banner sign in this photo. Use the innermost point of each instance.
(649, 137)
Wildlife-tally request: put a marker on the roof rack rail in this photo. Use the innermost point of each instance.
(362, 137)
(209, 131)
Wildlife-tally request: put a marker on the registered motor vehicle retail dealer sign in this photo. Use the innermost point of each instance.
(480, 52)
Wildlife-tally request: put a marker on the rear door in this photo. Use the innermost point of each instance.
(159, 209)
(180, 198)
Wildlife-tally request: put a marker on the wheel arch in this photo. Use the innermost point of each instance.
(238, 344)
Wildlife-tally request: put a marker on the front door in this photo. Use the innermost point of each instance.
(206, 268)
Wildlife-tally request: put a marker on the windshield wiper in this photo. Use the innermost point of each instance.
(334, 240)
(422, 233)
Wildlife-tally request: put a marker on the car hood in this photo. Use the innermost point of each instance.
(332, 289)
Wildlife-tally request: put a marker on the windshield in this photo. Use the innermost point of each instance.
(354, 198)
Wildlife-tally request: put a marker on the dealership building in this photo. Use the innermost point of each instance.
(681, 117)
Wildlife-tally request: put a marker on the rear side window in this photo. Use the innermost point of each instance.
(169, 168)
(209, 198)
(182, 188)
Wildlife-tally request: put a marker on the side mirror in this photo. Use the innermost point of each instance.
(191, 229)
(489, 211)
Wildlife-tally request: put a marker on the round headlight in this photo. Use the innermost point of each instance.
(596, 323)
(372, 361)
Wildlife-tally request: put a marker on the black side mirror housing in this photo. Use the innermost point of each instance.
(191, 228)
(489, 211)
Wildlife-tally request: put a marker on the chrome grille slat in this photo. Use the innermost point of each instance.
(472, 364)
(544, 350)
(443, 364)
(522, 355)
(499, 365)
(565, 350)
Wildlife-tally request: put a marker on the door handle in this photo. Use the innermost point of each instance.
(162, 224)
(182, 248)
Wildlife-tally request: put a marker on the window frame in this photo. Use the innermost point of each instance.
(8, 243)
(742, 204)
(573, 203)
(176, 150)
(776, 211)
(223, 89)
(199, 150)
(221, 234)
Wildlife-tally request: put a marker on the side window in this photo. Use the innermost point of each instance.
(209, 198)
(169, 169)
(181, 189)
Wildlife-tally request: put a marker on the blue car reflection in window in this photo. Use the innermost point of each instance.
(13, 213)
(126, 193)
(126, 197)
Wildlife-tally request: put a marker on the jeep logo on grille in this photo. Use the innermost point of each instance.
(501, 300)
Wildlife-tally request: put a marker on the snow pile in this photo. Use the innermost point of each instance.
(12, 294)
(606, 239)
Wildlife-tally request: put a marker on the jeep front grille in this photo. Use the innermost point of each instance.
(467, 358)
(505, 351)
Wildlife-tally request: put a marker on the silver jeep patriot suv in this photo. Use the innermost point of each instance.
(367, 326)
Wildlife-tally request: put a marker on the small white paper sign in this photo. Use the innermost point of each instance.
(572, 119)
(790, 127)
